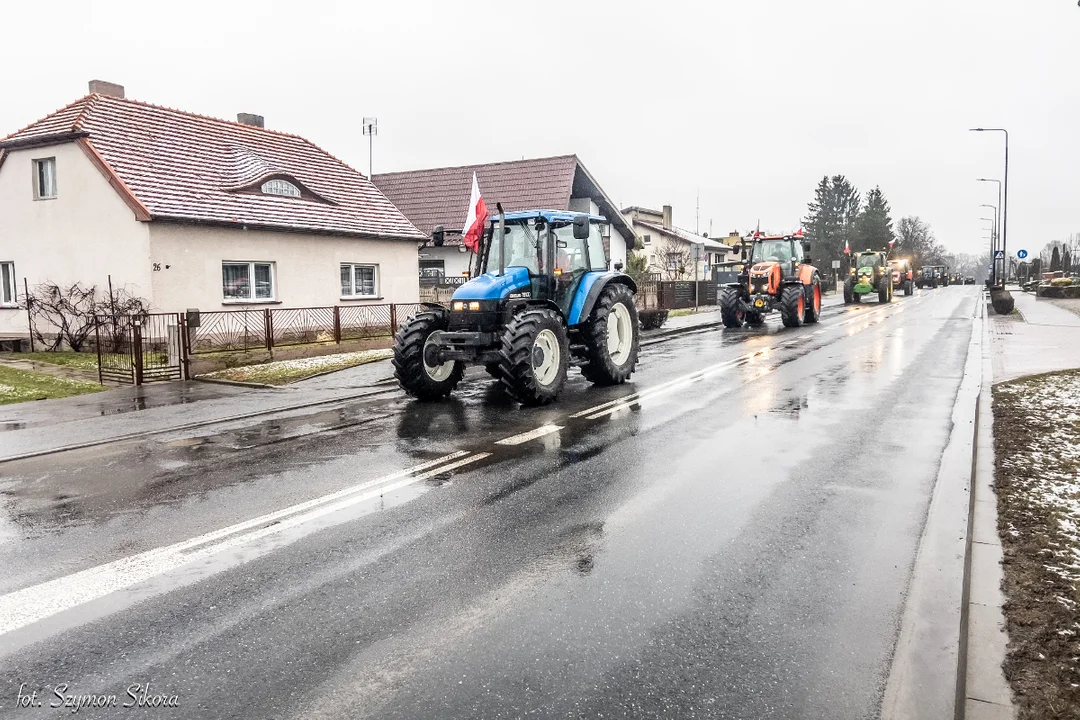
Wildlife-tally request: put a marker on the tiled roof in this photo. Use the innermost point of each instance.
(441, 196)
(187, 167)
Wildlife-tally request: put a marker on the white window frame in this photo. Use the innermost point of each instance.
(36, 164)
(352, 275)
(646, 239)
(9, 288)
(251, 299)
(281, 188)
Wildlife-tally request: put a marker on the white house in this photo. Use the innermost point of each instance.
(188, 211)
(430, 198)
(670, 249)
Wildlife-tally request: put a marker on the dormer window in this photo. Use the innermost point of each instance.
(280, 187)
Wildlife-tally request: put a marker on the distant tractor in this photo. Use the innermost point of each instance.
(778, 276)
(902, 275)
(932, 276)
(869, 274)
(543, 300)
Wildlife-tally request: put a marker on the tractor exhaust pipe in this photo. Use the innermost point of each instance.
(502, 237)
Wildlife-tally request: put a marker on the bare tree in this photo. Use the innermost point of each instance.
(673, 257)
(68, 314)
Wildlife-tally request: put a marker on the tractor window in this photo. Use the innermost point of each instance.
(771, 250)
(569, 252)
(869, 260)
(597, 255)
(797, 249)
(520, 248)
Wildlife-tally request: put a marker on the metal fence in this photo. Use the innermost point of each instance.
(264, 329)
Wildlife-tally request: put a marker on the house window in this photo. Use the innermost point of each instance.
(359, 281)
(647, 239)
(432, 268)
(247, 281)
(7, 292)
(280, 187)
(45, 178)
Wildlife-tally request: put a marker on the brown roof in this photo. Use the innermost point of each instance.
(440, 196)
(186, 167)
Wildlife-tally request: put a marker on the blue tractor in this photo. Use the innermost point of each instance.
(542, 299)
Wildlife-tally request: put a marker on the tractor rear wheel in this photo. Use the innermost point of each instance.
(813, 303)
(849, 292)
(730, 313)
(535, 355)
(792, 305)
(415, 359)
(611, 337)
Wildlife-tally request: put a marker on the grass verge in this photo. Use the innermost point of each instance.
(21, 385)
(283, 372)
(1037, 450)
(80, 360)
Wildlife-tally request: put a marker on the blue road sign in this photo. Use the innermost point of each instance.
(999, 254)
(1021, 254)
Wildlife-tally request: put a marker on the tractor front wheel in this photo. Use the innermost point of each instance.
(415, 360)
(849, 292)
(884, 293)
(611, 337)
(908, 290)
(535, 355)
(813, 303)
(792, 305)
(730, 313)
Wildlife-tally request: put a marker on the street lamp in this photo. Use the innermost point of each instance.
(997, 225)
(1005, 206)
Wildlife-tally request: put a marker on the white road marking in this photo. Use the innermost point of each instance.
(531, 435)
(23, 607)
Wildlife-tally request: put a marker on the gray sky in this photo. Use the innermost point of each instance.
(748, 102)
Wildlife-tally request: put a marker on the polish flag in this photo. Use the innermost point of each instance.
(847, 248)
(476, 219)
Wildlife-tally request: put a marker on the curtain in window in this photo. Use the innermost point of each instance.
(365, 280)
(9, 282)
(264, 283)
(346, 280)
(236, 284)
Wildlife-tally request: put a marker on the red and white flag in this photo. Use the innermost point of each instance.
(476, 219)
(847, 248)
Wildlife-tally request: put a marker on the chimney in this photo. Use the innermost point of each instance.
(667, 217)
(102, 87)
(249, 119)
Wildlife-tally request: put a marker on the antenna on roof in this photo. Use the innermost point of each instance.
(371, 129)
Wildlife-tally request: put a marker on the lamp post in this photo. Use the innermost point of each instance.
(1005, 206)
(994, 237)
(997, 225)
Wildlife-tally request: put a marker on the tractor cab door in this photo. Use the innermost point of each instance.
(798, 258)
(571, 262)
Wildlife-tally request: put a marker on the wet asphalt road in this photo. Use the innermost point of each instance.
(729, 536)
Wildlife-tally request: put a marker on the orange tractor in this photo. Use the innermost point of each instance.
(777, 276)
(902, 275)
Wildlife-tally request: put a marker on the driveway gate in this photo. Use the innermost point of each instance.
(137, 349)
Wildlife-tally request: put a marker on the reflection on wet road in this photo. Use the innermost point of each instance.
(730, 535)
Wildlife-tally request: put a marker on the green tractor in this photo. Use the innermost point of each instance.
(869, 273)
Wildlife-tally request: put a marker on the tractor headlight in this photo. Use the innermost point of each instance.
(458, 306)
(474, 305)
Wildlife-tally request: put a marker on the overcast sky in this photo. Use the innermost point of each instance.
(748, 102)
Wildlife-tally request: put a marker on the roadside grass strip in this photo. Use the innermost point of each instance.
(22, 385)
(1037, 479)
(283, 372)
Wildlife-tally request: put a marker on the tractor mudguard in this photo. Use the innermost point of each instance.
(592, 284)
(806, 274)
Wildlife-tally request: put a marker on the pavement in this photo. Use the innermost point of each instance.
(1042, 337)
(733, 534)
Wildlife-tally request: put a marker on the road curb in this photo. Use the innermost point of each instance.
(925, 680)
(236, 383)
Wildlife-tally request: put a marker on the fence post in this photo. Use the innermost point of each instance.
(30, 318)
(268, 324)
(393, 320)
(337, 324)
(184, 352)
(97, 341)
(136, 349)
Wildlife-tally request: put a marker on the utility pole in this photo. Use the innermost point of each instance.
(371, 129)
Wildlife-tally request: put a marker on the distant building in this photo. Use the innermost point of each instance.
(188, 211)
(440, 196)
(669, 248)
